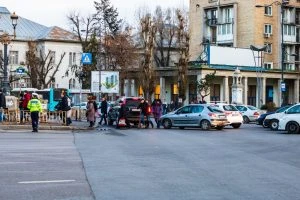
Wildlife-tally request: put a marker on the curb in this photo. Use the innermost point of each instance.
(62, 128)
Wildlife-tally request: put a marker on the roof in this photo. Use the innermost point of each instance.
(29, 30)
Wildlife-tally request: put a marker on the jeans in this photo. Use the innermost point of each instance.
(1, 116)
(103, 116)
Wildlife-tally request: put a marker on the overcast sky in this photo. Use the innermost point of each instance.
(53, 12)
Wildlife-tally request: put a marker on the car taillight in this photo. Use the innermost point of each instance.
(256, 113)
(227, 113)
(212, 114)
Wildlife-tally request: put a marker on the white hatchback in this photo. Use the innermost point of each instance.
(290, 120)
(233, 115)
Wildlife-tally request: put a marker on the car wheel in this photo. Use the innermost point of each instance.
(181, 127)
(246, 119)
(167, 124)
(219, 127)
(292, 128)
(205, 125)
(265, 125)
(236, 125)
(274, 125)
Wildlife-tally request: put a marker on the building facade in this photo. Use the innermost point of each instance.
(55, 39)
(240, 24)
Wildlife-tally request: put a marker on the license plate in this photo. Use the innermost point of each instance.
(135, 110)
(234, 115)
(222, 116)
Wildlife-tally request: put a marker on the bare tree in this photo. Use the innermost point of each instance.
(165, 38)
(121, 54)
(41, 68)
(146, 68)
(183, 46)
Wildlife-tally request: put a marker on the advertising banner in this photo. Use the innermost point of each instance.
(109, 82)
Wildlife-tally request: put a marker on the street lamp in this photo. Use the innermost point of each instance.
(282, 6)
(5, 40)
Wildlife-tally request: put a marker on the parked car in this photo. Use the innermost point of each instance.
(266, 123)
(195, 115)
(233, 115)
(250, 113)
(290, 120)
(131, 104)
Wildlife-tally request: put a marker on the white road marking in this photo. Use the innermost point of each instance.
(9, 163)
(52, 181)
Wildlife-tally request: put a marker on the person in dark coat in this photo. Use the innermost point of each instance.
(103, 108)
(2, 104)
(143, 106)
(65, 106)
(123, 114)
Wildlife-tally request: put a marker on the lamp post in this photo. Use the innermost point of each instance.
(282, 5)
(5, 40)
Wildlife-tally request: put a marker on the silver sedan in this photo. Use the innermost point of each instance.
(195, 115)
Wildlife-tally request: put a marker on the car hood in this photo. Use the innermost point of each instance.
(274, 115)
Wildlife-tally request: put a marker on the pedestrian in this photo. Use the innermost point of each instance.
(157, 111)
(2, 105)
(123, 115)
(143, 106)
(65, 107)
(24, 110)
(172, 106)
(103, 109)
(35, 107)
(90, 112)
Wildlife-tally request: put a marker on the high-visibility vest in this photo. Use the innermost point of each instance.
(34, 105)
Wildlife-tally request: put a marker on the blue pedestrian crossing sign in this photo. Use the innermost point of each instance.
(86, 58)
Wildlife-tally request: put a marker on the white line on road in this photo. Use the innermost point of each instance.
(52, 181)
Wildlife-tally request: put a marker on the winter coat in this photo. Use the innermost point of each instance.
(2, 100)
(104, 107)
(90, 112)
(25, 100)
(157, 110)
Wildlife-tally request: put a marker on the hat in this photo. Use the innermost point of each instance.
(35, 94)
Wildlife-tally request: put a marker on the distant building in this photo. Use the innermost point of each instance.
(56, 39)
(239, 24)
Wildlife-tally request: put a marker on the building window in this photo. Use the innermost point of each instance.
(74, 58)
(289, 30)
(52, 57)
(268, 10)
(13, 57)
(269, 48)
(268, 28)
(72, 83)
(268, 65)
(70, 59)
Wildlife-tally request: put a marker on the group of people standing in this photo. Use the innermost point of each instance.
(92, 111)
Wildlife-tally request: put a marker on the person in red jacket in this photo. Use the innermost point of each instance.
(25, 99)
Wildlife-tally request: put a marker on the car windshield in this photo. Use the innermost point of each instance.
(241, 108)
(230, 108)
(280, 110)
(132, 102)
(252, 108)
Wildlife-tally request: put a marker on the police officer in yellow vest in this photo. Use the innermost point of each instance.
(35, 107)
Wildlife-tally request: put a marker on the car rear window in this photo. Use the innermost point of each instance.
(252, 108)
(214, 109)
(132, 102)
(229, 108)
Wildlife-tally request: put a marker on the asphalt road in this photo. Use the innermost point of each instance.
(151, 164)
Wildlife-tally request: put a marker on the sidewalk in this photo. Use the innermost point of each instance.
(76, 125)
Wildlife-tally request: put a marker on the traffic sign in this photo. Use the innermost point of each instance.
(20, 70)
(86, 58)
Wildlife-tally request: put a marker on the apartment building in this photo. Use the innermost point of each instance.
(240, 24)
(56, 39)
